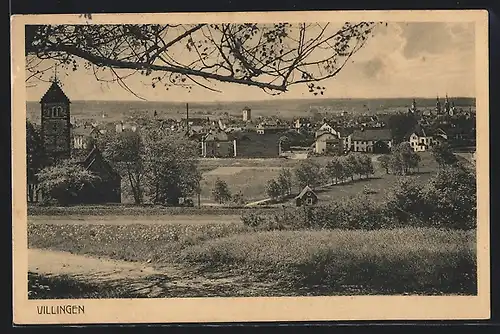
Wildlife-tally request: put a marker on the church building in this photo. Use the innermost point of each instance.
(57, 138)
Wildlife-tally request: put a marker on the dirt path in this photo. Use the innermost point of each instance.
(85, 267)
(141, 278)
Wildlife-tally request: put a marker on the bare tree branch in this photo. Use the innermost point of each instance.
(272, 57)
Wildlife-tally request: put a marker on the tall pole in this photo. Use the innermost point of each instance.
(187, 117)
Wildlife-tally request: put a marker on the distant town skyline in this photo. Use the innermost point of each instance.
(402, 60)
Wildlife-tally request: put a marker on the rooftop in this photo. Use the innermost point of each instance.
(305, 191)
(54, 94)
(372, 134)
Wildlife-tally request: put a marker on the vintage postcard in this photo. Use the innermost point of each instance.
(250, 167)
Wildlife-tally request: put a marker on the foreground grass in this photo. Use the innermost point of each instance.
(124, 210)
(383, 261)
(64, 287)
(407, 260)
(159, 243)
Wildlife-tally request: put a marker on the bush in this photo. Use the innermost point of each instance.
(253, 219)
(406, 202)
(452, 198)
(447, 201)
(356, 212)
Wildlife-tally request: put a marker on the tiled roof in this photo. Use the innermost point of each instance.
(54, 94)
(372, 134)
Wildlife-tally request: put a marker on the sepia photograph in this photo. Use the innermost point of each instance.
(282, 160)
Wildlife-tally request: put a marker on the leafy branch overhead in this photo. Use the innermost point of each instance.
(272, 57)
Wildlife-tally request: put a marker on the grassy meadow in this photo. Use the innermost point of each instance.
(290, 261)
(250, 181)
(296, 262)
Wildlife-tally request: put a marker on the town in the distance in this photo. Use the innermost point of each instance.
(243, 135)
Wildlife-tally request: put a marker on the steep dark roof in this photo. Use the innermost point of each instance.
(344, 132)
(92, 156)
(54, 94)
(305, 191)
(372, 134)
(421, 131)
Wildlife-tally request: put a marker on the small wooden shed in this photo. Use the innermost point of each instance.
(307, 197)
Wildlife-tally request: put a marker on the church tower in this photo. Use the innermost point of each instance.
(413, 107)
(447, 105)
(438, 106)
(55, 130)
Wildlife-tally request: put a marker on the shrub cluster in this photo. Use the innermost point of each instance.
(447, 201)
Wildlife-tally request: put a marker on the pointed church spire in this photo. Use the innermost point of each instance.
(55, 79)
(438, 104)
(446, 104)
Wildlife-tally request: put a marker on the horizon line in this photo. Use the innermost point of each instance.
(271, 100)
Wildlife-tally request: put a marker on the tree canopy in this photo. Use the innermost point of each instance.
(34, 150)
(64, 180)
(272, 57)
(221, 192)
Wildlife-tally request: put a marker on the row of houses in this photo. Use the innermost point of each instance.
(213, 141)
(331, 140)
(421, 138)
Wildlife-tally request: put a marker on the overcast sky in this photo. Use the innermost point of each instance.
(401, 60)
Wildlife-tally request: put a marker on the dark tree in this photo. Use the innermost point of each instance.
(403, 159)
(125, 151)
(384, 161)
(170, 166)
(308, 173)
(285, 182)
(34, 150)
(221, 192)
(443, 155)
(273, 189)
(452, 192)
(65, 180)
(401, 125)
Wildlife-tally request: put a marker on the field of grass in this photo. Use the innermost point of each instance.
(379, 186)
(124, 211)
(381, 182)
(133, 242)
(65, 287)
(383, 261)
(133, 220)
(250, 181)
(304, 262)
